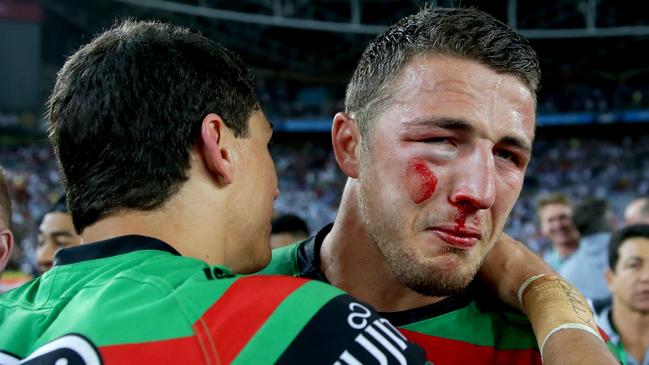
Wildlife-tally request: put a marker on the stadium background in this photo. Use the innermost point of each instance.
(593, 123)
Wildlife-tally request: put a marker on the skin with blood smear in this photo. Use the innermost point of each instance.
(461, 219)
(420, 181)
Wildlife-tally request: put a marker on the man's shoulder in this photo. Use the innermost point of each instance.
(488, 332)
(481, 322)
(140, 307)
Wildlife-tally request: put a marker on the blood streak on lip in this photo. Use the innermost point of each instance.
(462, 212)
(420, 181)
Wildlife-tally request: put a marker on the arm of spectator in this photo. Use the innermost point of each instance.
(560, 316)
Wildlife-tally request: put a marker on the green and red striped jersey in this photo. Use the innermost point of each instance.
(471, 327)
(135, 300)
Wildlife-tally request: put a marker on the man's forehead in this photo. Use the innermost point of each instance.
(634, 246)
(464, 89)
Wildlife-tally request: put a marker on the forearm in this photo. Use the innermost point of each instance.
(563, 323)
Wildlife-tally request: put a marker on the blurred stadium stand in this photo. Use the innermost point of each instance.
(593, 134)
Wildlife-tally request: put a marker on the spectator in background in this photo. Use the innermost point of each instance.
(6, 237)
(627, 320)
(554, 212)
(55, 231)
(586, 267)
(637, 212)
(287, 229)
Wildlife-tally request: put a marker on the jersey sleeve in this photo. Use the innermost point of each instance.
(319, 324)
(346, 331)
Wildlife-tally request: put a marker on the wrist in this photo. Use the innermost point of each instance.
(552, 304)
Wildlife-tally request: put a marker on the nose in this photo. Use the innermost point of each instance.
(644, 274)
(474, 179)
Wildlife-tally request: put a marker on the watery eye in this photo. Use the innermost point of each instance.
(436, 140)
(508, 156)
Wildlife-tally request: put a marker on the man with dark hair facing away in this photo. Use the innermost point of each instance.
(435, 139)
(627, 319)
(586, 267)
(161, 141)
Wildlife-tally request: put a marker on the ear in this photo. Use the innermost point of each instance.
(6, 244)
(216, 156)
(346, 138)
(610, 276)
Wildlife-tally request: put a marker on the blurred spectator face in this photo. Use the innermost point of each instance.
(287, 229)
(629, 282)
(285, 238)
(557, 225)
(55, 232)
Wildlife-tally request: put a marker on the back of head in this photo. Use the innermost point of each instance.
(592, 215)
(464, 33)
(637, 212)
(5, 202)
(619, 237)
(126, 110)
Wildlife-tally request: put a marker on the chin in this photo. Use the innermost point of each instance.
(441, 276)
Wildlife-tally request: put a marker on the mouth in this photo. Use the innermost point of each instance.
(461, 238)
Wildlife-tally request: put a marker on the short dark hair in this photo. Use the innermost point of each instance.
(592, 215)
(5, 201)
(289, 223)
(619, 237)
(59, 205)
(127, 108)
(463, 33)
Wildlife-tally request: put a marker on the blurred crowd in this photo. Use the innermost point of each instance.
(310, 183)
(287, 99)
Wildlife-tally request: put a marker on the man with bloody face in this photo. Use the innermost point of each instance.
(435, 139)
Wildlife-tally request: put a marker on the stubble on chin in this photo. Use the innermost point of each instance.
(427, 277)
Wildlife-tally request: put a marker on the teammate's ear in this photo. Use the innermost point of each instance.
(345, 139)
(213, 149)
(609, 275)
(6, 244)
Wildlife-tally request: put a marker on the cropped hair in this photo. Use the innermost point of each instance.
(619, 237)
(552, 198)
(592, 215)
(127, 108)
(463, 33)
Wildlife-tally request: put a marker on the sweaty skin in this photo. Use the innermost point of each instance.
(420, 181)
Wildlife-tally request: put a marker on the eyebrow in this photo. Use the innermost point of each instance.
(464, 126)
(61, 233)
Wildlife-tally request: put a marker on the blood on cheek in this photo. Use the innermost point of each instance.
(419, 180)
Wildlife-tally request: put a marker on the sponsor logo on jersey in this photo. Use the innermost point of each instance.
(378, 338)
(70, 350)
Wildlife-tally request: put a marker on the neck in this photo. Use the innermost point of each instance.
(633, 328)
(351, 260)
(181, 222)
(566, 250)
